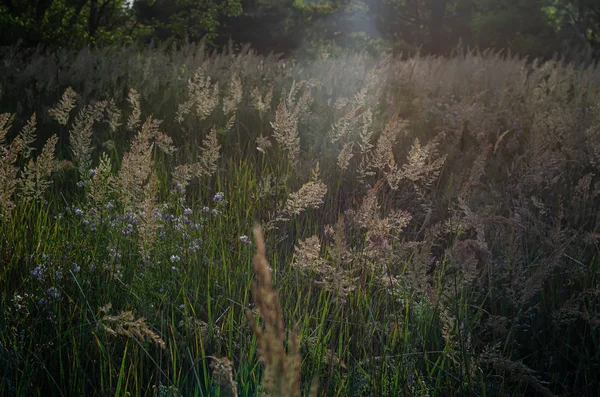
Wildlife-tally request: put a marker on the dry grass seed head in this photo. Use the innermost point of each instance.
(289, 112)
(125, 324)
(345, 156)
(35, 176)
(80, 139)
(133, 122)
(28, 136)
(282, 370)
(232, 100)
(103, 185)
(262, 143)
(8, 171)
(137, 163)
(149, 223)
(210, 153)
(203, 96)
(223, 376)
(383, 156)
(310, 195)
(260, 103)
(63, 109)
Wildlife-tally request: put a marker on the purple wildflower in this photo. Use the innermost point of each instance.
(53, 292)
(219, 196)
(38, 272)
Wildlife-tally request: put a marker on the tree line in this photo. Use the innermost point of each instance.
(538, 28)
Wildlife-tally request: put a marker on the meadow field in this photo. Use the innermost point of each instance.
(431, 225)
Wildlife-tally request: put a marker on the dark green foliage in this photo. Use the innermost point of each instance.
(65, 23)
(538, 28)
(183, 19)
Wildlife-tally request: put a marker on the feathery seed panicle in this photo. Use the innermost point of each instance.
(282, 369)
(80, 138)
(307, 255)
(223, 376)
(422, 169)
(366, 132)
(233, 98)
(137, 163)
(203, 96)
(365, 145)
(343, 127)
(125, 324)
(288, 114)
(133, 122)
(383, 157)
(357, 117)
(9, 155)
(148, 221)
(310, 195)
(6, 120)
(262, 105)
(329, 276)
(35, 177)
(345, 156)
(181, 176)
(209, 155)
(113, 115)
(103, 187)
(262, 143)
(28, 136)
(67, 103)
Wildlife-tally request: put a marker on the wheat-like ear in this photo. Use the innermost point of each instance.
(282, 369)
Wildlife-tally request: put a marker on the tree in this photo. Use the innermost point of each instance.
(522, 26)
(577, 22)
(184, 19)
(64, 22)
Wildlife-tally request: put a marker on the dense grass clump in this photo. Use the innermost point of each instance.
(430, 225)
